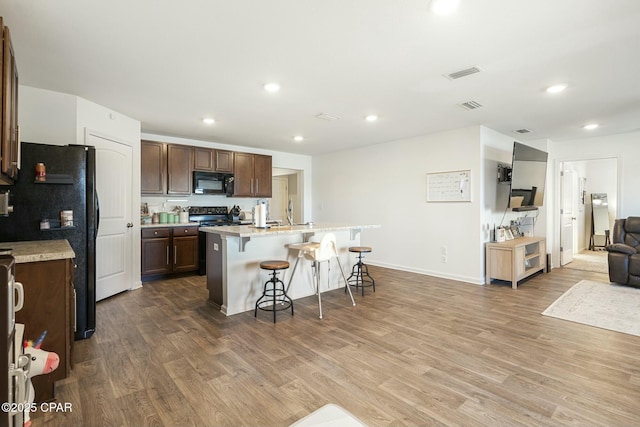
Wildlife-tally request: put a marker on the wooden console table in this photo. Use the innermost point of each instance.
(515, 259)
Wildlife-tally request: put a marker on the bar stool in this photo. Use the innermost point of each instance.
(274, 298)
(360, 270)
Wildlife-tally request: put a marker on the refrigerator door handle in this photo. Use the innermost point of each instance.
(97, 215)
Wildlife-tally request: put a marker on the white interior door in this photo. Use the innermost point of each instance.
(567, 215)
(114, 244)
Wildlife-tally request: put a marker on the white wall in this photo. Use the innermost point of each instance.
(498, 149)
(385, 184)
(95, 117)
(47, 117)
(625, 148)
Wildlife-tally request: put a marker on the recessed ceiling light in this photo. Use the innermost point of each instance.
(208, 120)
(298, 138)
(590, 126)
(556, 88)
(371, 118)
(272, 87)
(444, 7)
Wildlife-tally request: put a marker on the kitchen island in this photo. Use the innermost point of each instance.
(234, 278)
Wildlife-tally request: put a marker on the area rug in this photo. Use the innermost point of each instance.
(602, 305)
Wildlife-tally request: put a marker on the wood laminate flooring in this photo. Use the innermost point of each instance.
(419, 351)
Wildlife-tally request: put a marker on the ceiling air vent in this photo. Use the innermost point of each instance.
(462, 73)
(470, 105)
(325, 116)
(522, 131)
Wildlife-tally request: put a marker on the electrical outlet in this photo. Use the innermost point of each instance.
(215, 246)
(443, 259)
(443, 250)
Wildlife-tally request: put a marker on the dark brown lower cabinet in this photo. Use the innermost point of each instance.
(168, 250)
(48, 305)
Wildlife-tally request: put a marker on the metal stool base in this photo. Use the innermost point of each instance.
(359, 277)
(273, 298)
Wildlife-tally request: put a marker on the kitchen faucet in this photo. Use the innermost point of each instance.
(290, 212)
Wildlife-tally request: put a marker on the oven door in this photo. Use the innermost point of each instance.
(211, 183)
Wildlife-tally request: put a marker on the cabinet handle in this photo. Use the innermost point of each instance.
(251, 185)
(167, 255)
(257, 186)
(175, 254)
(75, 317)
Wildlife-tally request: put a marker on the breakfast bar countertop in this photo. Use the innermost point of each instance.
(251, 231)
(244, 233)
(39, 250)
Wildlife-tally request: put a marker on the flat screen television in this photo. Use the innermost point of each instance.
(528, 177)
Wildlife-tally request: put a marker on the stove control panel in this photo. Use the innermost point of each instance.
(211, 210)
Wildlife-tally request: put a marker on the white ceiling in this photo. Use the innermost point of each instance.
(170, 63)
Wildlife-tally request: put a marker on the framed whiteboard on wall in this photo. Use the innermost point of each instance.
(451, 186)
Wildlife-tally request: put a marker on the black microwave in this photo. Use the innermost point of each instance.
(212, 183)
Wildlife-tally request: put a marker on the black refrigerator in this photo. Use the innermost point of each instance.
(70, 184)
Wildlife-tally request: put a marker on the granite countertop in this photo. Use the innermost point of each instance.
(39, 250)
(173, 224)
(251, 231)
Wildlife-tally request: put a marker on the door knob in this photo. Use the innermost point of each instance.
(129, 224)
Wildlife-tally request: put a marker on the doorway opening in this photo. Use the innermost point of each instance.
(580, 179)
(287, 195)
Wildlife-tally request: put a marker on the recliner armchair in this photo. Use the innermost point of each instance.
(624, 252)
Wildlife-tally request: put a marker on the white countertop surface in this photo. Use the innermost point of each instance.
(251, 231)
(39, 250)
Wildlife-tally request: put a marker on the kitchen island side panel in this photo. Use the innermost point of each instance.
(215, 269)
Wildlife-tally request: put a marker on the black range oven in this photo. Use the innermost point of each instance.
(208, 216)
